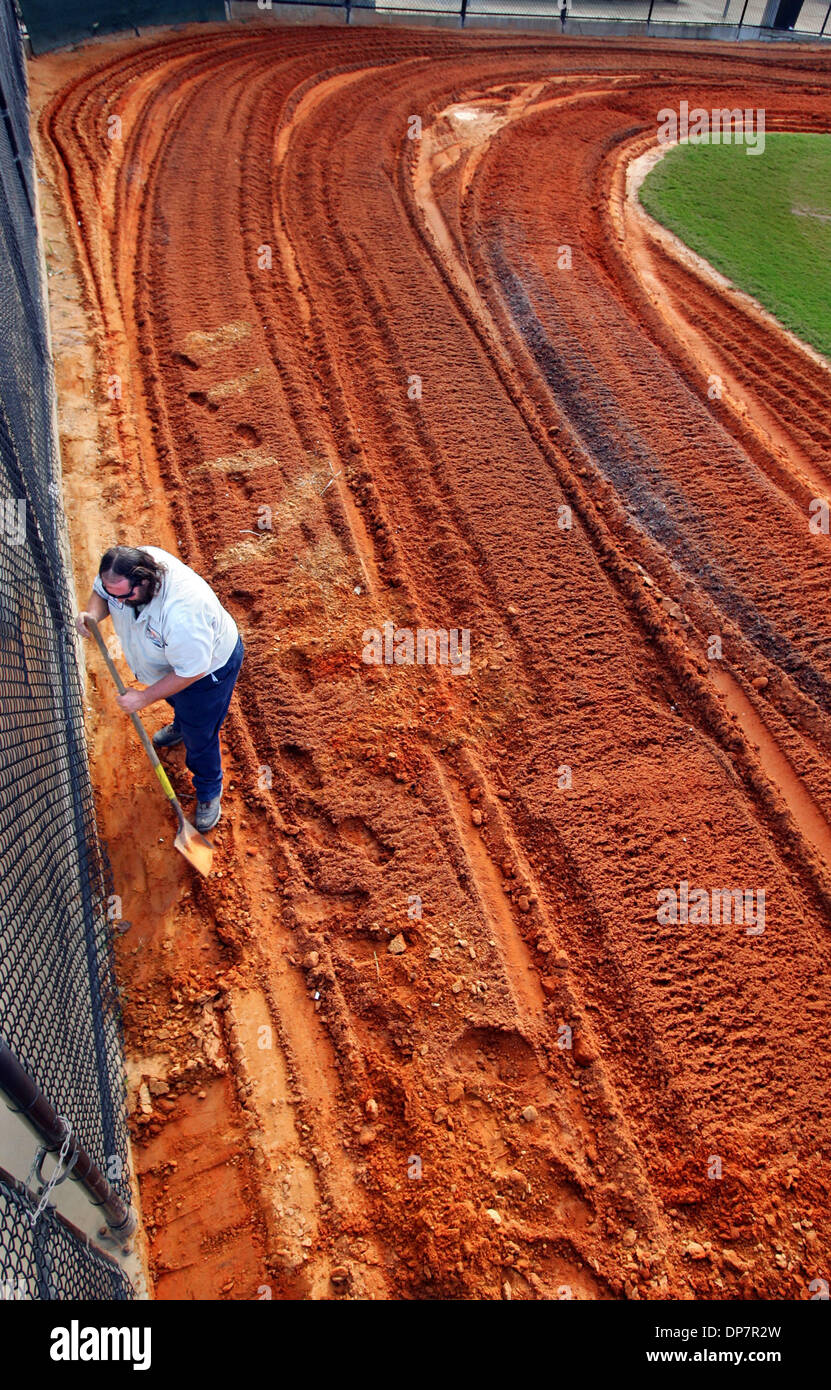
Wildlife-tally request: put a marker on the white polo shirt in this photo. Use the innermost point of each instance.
(183, 629)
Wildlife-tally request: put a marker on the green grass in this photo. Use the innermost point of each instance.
(763, 220)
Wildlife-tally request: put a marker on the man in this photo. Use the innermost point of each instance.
(179, 640)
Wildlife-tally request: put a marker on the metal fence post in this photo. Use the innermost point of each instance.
(649, 16)
(26, 1099)
(463, 12)
(825, 21)
(741, 19)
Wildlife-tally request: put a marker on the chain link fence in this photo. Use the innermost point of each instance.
(52, 1260)
(59, 1011)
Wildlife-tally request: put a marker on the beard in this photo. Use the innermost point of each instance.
(141, 599)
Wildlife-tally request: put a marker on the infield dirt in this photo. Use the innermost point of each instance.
(548, 1092)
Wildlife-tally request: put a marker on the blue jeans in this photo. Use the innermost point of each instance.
(198, 713)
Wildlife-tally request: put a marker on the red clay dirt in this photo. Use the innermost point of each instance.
(266, 261)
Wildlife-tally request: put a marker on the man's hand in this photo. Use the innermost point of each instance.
(131, 701)
(97, 608)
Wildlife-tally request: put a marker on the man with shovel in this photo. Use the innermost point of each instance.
(179, 640)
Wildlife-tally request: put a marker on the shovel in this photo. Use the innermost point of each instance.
(197, 850)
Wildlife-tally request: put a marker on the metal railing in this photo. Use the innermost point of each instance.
(724, 18)
(51, 1259)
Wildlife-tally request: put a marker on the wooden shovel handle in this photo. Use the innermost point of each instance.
(140, 729)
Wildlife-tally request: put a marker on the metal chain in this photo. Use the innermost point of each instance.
(58, 1173)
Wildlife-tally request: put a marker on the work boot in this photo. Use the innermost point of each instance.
(168, 737)
(208, 813)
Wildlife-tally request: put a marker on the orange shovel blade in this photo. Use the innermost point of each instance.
(197, 850)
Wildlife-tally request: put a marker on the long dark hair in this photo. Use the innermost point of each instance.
(128, 562)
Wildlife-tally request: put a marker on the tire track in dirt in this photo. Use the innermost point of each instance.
(318, 1068)
(807, 814)
(304, 1043)
(362, 790)
(599, 317)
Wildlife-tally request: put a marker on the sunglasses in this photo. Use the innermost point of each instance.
(121, 597)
